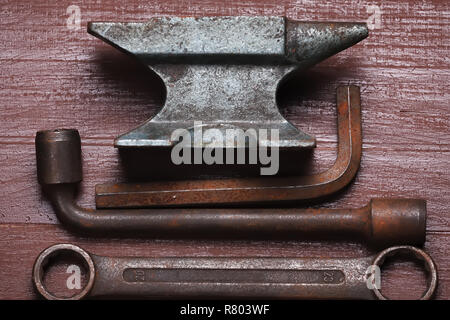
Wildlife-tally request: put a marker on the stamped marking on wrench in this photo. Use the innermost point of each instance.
(233, 276)
(248, 277)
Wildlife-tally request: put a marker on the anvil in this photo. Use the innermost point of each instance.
(223, 72)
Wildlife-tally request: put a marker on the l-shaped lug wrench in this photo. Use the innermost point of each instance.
(243, 277)
(382, 222)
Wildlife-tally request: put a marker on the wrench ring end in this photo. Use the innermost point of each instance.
(42, 260)
(430, 267)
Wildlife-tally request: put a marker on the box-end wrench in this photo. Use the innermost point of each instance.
(224, 277)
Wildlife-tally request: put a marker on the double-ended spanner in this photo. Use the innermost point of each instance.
(243, 277)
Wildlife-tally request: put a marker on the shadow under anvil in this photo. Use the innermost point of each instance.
(140, 165)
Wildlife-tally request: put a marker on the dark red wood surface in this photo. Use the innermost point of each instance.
(56, 77)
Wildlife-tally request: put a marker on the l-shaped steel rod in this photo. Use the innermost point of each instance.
(241, 191)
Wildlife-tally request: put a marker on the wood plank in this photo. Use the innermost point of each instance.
(383, 173)
(53, 77)
(20, 244)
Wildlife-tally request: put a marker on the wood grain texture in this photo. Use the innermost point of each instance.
(53, 77)
(18, 250)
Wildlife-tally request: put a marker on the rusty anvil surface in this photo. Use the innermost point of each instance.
(224, 71)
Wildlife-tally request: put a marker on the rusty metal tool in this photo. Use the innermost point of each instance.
(224, 71)
(243, 277)
(241, 191)
(382, 222)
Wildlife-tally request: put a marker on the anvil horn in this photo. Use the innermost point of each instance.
(308, 43)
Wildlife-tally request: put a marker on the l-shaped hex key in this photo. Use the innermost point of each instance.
(241, 191)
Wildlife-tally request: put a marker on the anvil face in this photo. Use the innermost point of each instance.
(223, 72)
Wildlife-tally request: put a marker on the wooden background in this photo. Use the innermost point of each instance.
(56, 77)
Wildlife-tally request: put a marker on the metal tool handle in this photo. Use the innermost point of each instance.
(231, 277)
(255, 277)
